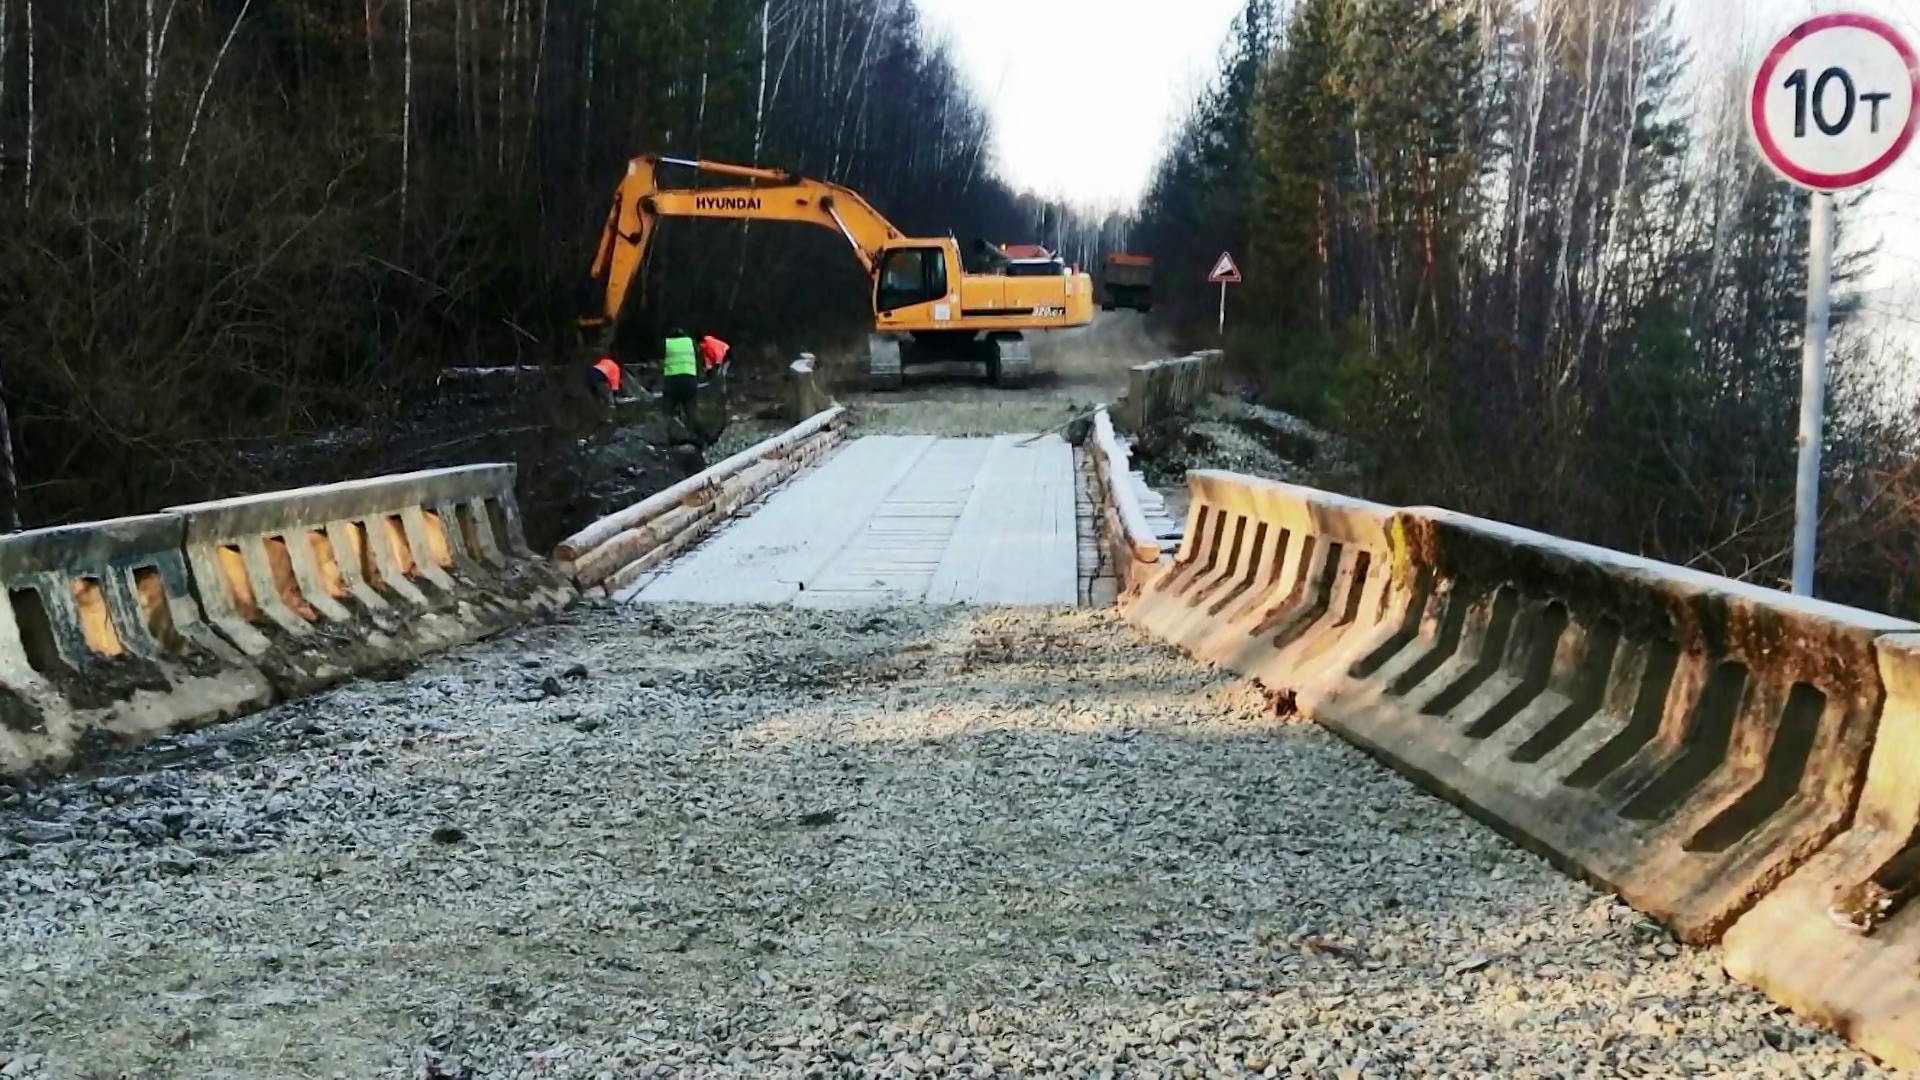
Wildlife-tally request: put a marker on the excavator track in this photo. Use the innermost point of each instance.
(883, 362)
(1013, 362)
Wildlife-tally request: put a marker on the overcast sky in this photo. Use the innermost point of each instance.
(1084, 91)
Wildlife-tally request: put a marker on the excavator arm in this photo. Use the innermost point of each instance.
(766, 195)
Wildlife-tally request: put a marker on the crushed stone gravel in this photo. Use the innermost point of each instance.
(723, 842)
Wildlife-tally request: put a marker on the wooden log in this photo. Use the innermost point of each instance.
(629, 546)
(751, 486)
(621, 579)
(623, 548)
(659, 503)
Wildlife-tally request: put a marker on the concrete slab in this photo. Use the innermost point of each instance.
(899, 520)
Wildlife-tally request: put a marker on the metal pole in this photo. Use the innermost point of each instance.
(1813, 393)
(1223, 310)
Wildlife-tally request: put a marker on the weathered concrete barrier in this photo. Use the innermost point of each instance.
(319, 583)
(1271, 579)
(612, 554)
(806, 398)
(102, 643)
(1133, 548)
(1729, 759)
(1168, 388)
(1839, 941)
(1686, 739)
(1683, 739)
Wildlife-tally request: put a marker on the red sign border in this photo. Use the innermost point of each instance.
(1215, 279)
(1756, 111)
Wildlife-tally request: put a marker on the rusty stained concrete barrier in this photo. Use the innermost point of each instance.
(1685, 740)
(1839, 942)
(321, 583)
(1133, 551)
(1162, 389)
(102, 644)
(805, 397)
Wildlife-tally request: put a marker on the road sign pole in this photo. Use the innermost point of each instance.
(1834, 104)
(1813, 393)
(1225, 272)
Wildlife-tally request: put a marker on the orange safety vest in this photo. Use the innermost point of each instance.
(606, 366)
(714, 351)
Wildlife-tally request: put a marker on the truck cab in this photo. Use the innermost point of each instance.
(1037, 268)
(1127, 282)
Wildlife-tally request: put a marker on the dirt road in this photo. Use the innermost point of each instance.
(1074, 370)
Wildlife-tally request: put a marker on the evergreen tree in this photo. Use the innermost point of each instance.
(1509, 248)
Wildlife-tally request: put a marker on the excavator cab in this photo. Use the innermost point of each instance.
(909, 276)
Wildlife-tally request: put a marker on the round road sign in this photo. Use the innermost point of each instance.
(1836, 102)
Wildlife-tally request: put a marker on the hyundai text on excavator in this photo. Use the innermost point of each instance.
(926, 307)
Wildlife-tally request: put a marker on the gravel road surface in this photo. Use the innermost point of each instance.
(712, 842)
(1074, 370)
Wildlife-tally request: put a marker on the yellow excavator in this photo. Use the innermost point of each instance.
(926, 307)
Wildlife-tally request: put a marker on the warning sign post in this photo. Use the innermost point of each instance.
(1225, 272)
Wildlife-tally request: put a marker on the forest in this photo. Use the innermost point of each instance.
(1521, 252)
(230, 221)
(1518, 250)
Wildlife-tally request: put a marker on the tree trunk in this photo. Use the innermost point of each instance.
(6, 34)
(32, 109)
(9, 475)
(200, 104)
(406, 113)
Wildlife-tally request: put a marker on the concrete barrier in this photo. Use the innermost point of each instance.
(103, 644)
(1278, 582)
(319, 583)
(1133, 548)
(1167, 388)
(1839, 941)
(1683, 739)
(805, 398)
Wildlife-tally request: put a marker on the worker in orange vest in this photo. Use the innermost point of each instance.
(604, 377)
(713, 354)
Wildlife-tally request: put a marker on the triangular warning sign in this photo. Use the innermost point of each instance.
(1224, 269)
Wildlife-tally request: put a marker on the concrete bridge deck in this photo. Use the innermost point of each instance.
(899, 519)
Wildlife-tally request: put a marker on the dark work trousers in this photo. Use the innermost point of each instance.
(679, 394)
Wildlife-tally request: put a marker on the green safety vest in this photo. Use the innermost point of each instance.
(680, 360)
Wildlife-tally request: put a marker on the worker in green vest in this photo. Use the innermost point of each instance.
(680, 384)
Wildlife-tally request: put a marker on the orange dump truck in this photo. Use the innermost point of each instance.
(1127, 281)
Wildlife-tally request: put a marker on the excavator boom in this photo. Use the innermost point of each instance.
(640, 202)
(921, 295)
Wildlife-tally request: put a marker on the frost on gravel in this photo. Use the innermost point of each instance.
(705, 842)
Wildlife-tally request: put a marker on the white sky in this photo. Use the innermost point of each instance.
(1084, 92)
